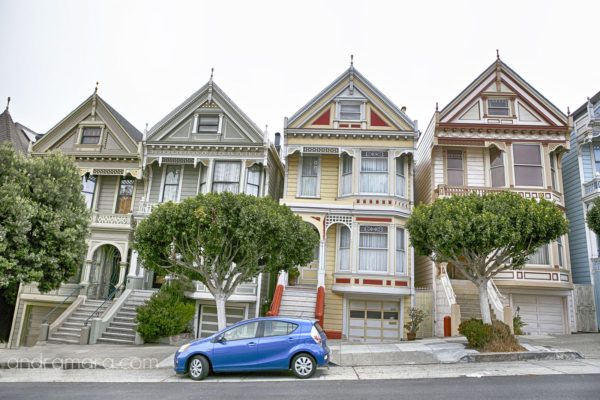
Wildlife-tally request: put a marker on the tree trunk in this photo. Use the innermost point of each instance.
(484, 303)
(221, 300)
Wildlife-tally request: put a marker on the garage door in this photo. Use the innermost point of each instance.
(542, 314)
(208, 318)
(374, 321)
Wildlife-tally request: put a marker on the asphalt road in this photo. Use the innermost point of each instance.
(563, 387)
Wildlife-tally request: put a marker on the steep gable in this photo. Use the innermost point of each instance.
(13, 133)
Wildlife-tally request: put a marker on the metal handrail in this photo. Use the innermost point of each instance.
(110, 296)
(47, 316)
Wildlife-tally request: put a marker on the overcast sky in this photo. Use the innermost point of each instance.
(271, 57)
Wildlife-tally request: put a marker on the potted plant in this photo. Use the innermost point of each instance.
(416, 317)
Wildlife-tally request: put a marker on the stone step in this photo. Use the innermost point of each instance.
(70, 324)
(119, 335)
(127, 314)
(118, 324)
(118, 329)
(69, 329)
(123, 319)
(107, 340)
(62, 341)
(66, 335)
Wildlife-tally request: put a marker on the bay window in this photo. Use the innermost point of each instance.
(540, 256)
(559, 245)
(344, 249)
(125, 196)
(374, 172)
(171, 185)
(373, 249)
(88, 188)
(454, 167)
(400, 177)
(253, 180)
(497, 167)
(553, 172)
(528, 165)
(346, 174)
(226, 177)
(202, 179)
(400, 252)
(309, 177)
(597, 158)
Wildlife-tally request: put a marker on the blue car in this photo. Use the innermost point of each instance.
(260, 344)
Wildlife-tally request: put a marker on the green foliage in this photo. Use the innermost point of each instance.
(476, 332)
(43, 220)
(223, 239)
(518, 324)
(489, 338)
(416, 317)
(167, 313)
(593, 216)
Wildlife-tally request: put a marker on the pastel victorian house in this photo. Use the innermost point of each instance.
(499, 134)
(581, 174)
(207, 144)
(349, 167)
(106, 149)
(18, 135)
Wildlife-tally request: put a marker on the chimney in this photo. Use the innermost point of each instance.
(278, 142)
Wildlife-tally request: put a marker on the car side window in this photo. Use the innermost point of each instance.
(278, 328)
(246, 331)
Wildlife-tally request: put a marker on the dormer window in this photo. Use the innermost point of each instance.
(498, 107)
(350, 111)
(91, 135)
(208, 124)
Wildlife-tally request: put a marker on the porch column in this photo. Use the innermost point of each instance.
(85, 273)
(321, 271)
(133, 264)
(282, 278)
(122, 272)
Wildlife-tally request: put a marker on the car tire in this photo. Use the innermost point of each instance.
(304, 366)
(198, 368)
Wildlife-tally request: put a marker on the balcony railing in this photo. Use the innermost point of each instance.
(592, 186)
(595, 264)
(248, 288)
(448, 190)
(145, 207)
(116, 220)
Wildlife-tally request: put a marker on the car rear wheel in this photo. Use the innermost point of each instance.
(304, 366)
(198, 368)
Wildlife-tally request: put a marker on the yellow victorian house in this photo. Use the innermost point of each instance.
(349, 173)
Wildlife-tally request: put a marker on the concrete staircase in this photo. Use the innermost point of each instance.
(467, 296)
(69, 332)
(298, 301)
(122, 328)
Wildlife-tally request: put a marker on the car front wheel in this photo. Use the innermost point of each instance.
(304, 366)
(198, 368)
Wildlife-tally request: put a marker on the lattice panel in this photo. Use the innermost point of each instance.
(109, 171)
(338, 219)
(177, 160)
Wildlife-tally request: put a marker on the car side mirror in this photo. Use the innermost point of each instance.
(219, 339)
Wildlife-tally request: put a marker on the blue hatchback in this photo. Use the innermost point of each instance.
(261, 344)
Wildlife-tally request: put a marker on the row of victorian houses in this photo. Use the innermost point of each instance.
(353, 165)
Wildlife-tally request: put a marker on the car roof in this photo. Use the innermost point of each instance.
(282, 318)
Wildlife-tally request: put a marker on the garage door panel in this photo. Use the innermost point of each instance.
(209, 320)
(541, 314)
(373, 321)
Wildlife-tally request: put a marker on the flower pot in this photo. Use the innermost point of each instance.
(411, 335)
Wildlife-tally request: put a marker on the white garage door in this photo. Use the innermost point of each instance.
(374, 321)
(542, 314)
(208, 318)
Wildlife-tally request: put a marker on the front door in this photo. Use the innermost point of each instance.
(125, 196)
(104, 273)
(238, 349)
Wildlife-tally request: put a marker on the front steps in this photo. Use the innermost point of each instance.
(467, 296)
(69, 332)
(298, 302)
(122, 328)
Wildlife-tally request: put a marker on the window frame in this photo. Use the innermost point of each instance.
(90, 125)
(92, 178)
(401, 160)
(120, 196)
(554, 171)
(342, 103)
(508, 107)
(463, 170)
(386, 192)
(208, 132)
(491, 168)
(402, 250)
(257, 334)
(300, 176)
(164, 183)
(547, 255)
(541, 165)
(387, 249)
(214, 170)
(254, 169)
(596, 158)
(263, 329)
(339, 248)
(343, 174)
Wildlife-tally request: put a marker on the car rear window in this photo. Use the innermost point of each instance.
(278, 328)
(319, 329)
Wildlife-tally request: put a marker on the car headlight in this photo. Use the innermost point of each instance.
(184, 347)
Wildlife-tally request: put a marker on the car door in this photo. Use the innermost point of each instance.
(275, 345)
(237, 350)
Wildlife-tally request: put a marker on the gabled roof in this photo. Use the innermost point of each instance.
(503, 67)
(129, 128)
(346, 75)
(14, 132)
(196, 97)
(584, 107)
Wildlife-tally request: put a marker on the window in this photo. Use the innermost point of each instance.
(553, 172)
(454, 167)
(597, 158)
(208, 123)
(344, 250)
(559, 245)
(88, 187)
(226, 177)
(400, 252)
(372, 249)
(309, 176)
(498, 107)
(90, 135)
(528, 165)
(374, 172)
(246, 331)
(253, 180)
(400, 179)
(497, 167)
(540, 256)
(350, 112)
(278, 328)
(202, 179)
(346, 174)
(125, 195)
(171, 186)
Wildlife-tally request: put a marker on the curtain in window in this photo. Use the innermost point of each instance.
(202, 184)
(374, 175)
(528, 165)
(253, 180)
(350, 112)
(454, 167)
(497, 167)
(553, 171)
(309, 176)
(344, 250)
(560, 251)
(539, 257)
(400, 252)
(346, 174)
(171, 183)
(400, 178)
(373, 250)
(226, 177)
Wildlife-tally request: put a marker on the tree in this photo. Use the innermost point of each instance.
(223, 240)
(593, 216)
(484, 235)
(43, 221)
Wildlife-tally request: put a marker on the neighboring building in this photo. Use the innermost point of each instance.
(207, 144)
(19, 135)
(581, 173)
(349, 168)
(499, 133)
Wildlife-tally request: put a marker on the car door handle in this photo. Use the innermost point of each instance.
(290, 339)
(251, 344)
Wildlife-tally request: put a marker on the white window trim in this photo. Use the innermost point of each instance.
(239, 181)
(207, 114)
(405, 273)
(510, 107)
(341, 174)
(550, 258)
(405, 174)
(391, 175)
(260, 174)
(83, 125)
(299, 178)
(338, 109)
(163, 178)
(337, 250)
(542, 158)
(464, 165)
(120, 178)
(553, 159)
(489, 168)
(389, 257)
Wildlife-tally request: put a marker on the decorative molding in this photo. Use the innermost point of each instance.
(332, 219)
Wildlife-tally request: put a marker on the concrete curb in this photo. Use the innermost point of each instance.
(521, 356)
(48, 365)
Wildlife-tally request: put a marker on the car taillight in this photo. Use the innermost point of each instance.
(315, 335)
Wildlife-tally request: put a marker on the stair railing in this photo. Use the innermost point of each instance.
(59, 305)
(276, 303)
(320, 305)
(447, 286)
(96, 313)
(495, 299)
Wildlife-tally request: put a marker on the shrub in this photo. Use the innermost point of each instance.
(167, 313)
(416, 317)
(518, 324)
(476, 332)
(489, 338)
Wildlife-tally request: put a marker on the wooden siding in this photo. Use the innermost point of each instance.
(329, 177)
(106, 193)
(189, 185)
(140, 187)
(423, 272)
(334, 303)
(156, 180)
(475, 167)
(293, 162)
(423, 166)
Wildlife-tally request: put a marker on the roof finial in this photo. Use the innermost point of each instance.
(568, 111)
(210, 85)
(497, 54)
(7, 103)
(351, 60)
(436, 106)
(96, 89)
(351, 89)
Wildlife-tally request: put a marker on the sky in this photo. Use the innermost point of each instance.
(272, 57)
